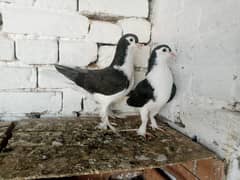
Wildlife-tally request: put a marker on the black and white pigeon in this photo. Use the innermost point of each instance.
(157, 89)
(110, 84)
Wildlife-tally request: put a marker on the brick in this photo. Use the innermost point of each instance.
(70, 5)
(152, 174)
(27, 102)
(104, 32)
(43, 22)
(49, 77)
(179, 172)
(105, 55)
(17, 77)
(139, 76)
(71, 101)
(77, 53)
(116, 8)
(138, 26)
(191, 166)
(37, 51)
(142, 55)
(210, 169)
(6, 49)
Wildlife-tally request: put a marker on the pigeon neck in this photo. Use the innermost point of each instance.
(162, 64)
(127, 66)
(120, 55)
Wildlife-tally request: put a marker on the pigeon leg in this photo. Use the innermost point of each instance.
(105, 121)
(144, 117)
(116, 115)
(153, 124)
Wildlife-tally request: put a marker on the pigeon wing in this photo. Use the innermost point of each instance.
(106, 81)
(141, 94)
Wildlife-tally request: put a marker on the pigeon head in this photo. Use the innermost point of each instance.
(129, 39)
(125, 47)
(163, 52)
(160, 53)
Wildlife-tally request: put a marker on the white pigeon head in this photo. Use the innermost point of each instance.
(160, 54)
(126, 47)
(131, 41)
(163, 52)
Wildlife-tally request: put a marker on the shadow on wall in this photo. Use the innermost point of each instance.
(1, 21)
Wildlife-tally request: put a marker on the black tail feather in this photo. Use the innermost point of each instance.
(68, 72)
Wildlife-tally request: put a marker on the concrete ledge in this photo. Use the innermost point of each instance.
(50, 148)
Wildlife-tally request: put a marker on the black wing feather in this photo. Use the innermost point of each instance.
(141, 94)
(106, 81)
(173, 93)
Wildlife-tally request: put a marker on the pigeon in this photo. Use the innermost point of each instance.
(109, 84)
(157, 89)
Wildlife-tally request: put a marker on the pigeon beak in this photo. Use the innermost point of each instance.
(173, 54)
(140, 45)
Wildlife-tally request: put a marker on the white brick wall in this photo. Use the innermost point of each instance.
(6, 49)
(142, 56)
(104, 32)
(37, 51)
(27, 102)
(48, 77)
(43, 22)
(105, 56)
(140, 27)
(114, 8)
(72, 102)
(17, 77)
(70, 5)
(77, 53)
(36, 34)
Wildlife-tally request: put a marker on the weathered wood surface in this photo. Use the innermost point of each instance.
(71, 147)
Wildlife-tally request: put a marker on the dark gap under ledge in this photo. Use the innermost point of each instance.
(67, 147)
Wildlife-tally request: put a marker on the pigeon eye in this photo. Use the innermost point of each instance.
(131, 39)
(164, 50)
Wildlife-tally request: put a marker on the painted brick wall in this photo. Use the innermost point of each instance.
(206, 37)
(36, 34)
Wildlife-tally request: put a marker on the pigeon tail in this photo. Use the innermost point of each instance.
(70, 73)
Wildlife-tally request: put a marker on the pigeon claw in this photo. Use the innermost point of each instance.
(102, 126)
(156, 127)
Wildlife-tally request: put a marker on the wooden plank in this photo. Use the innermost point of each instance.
(180, 173)
(152, 174)
(72, 147)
